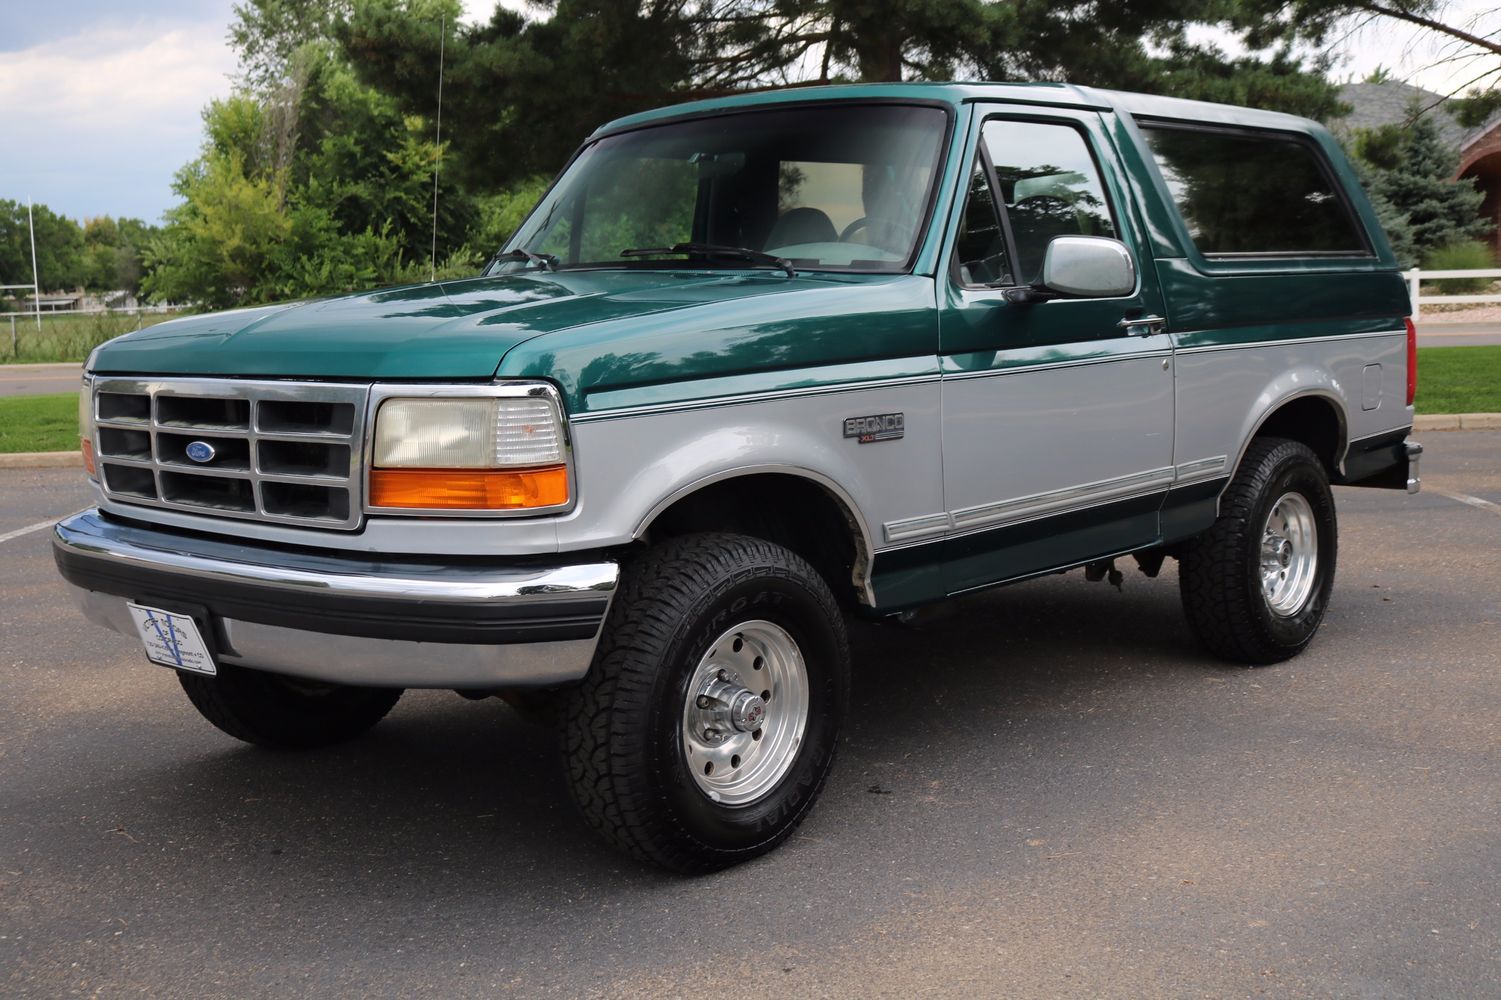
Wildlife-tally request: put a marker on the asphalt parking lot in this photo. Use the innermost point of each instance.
(1045, 790)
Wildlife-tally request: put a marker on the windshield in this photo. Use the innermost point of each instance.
(828, 188)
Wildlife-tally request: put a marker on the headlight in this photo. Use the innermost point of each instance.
(86, 425)
(469, 453)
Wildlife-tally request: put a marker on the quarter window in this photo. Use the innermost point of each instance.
(981, 246)
(1250, 193)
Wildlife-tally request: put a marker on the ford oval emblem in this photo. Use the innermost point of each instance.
(200, 451)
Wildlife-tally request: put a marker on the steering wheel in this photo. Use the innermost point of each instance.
(852, 229)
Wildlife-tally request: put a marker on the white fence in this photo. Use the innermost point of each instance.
(137, 311)
(1417, 275)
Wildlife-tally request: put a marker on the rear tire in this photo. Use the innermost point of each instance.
(706, 726)
(1255, 586)
(285, 713)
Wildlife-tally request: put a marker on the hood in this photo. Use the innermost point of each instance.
(448, 330)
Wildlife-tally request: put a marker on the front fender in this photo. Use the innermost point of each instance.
(633, 467)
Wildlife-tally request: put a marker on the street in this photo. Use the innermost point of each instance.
(39, 380)
(1044, 790)
(1485, 334)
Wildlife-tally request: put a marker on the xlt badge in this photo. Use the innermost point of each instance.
(881, 427)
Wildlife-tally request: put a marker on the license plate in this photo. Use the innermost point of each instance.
(172, 640)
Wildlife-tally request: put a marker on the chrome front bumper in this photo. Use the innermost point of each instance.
(460, 623)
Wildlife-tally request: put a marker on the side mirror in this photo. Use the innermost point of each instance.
(1089, 267)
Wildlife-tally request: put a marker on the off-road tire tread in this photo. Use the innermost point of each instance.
(604, 724)
(1224, 614)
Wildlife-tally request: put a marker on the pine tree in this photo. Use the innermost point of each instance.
(1394, 221)
(524, 90)
(1436, 211)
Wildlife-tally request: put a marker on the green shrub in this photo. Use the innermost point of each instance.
(1466, 255)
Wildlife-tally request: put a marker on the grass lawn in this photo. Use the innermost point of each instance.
(67, 338)
(1459, 379)
(39, 423)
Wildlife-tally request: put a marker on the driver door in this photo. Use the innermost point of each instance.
(1057, 415)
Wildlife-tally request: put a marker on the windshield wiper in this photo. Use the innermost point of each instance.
(713, 250)
(546, 261)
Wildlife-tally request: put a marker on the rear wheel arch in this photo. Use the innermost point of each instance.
(1315, 418)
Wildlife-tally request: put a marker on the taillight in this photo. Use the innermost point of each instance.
(1412, 361)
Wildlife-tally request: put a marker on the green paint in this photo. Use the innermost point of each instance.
(614, 338)
(954, 94)
(741, 332)
(1297, 302)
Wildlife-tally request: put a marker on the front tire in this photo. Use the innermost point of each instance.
(1255, 586)
(706, 727)
(285, 713)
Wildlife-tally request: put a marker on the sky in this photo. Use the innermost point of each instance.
(100, 100)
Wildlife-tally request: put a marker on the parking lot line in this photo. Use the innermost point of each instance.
(1463, 498)
(27, 530)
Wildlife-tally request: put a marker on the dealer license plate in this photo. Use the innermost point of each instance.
(172, 640)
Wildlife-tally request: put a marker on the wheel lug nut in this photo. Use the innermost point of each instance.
(711, 734)
(704, 701)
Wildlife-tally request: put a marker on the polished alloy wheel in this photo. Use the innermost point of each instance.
(1289, 555)
(745, 713)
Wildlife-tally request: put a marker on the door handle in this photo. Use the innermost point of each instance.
(1138, 326)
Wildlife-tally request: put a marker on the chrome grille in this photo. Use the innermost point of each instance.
(287, 452)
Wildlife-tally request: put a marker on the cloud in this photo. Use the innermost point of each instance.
(51, 22)
(113, 77)
(103, 100)
(97, 123)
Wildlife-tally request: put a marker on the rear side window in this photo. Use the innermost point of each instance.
(1253, 193)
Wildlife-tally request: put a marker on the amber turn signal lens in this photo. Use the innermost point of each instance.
(88, 456)
(469, 489)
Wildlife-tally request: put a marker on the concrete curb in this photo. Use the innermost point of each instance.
(1457, 422)
(42, 460)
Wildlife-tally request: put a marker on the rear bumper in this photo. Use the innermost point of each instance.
(1388, 461)
(398, 622)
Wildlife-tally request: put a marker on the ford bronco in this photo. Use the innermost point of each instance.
(752, 365)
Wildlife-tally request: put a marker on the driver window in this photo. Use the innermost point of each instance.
(1050, 187)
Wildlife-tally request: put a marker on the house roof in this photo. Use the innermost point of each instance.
(1373, 105)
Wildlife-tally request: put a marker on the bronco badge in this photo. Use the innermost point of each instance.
(881, 427)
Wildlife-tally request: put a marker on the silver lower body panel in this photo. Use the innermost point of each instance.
(359, 660)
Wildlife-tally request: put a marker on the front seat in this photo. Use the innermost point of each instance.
(801, 225)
